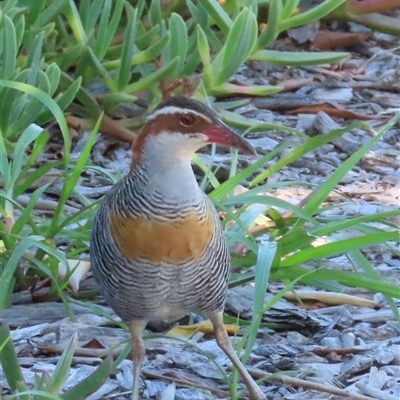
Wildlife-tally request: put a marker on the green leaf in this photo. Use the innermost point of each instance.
(153, 78)
(154, 14)
(296, 58)
(265, 258)
(7, 274)
(288, 9)
(50, 12)
(99, 68)
(179, 41)
(89, 13)
(92, 383)
(325, 188)
(251, 197)
(338, 247)
(34, 10)
(204, 51)
(63, 101)
(83, 95)
(218, 14)
(5, 166)
(125, 71)
(75, 22)
(220, 192)
(8, 357)
(9, 53)
(61, 371)
(70, 183)
(152, 51)
(53, 75)
(304, 148)
(313, 14)
(28, 136)
(107, 32)
(256, 90)
(271, 32)
(239, 44)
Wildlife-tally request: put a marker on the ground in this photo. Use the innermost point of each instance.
(338, 343)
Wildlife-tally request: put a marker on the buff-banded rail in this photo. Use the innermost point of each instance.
(157, 247)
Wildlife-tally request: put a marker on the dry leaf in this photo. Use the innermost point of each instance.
(329, 40)
(333, 111)
(79, 268)
(332, 298)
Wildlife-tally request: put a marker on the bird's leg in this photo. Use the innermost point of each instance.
(225, 344)
(138, 353)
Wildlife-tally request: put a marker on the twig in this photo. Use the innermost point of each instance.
(377, 394)
(186, 382)
(257, 373)
(45, 205)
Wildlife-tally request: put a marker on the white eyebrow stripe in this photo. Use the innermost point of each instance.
(174, 110)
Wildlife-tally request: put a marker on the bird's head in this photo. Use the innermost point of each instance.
(181, 126)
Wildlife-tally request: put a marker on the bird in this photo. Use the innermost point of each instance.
(157, 246)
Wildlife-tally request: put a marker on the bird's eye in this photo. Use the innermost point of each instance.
(186, 119)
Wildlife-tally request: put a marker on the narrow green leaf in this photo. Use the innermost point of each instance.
(179, 41)
(327, 186)
(9, 6)
(49, 103)
(19, 30)
(313, 14)
(5, 166)
(25, 218)
(53, 74)
(338, 247)
(218, 14)
(146, 39)
(302, 149)
(63, 101)
(271, 32)
(251, 198)
(288, 9)
(92, 383)
(364, 263)
(83, 95)
(75, 22)
(322, 277)
(265, 258)
(27, 394)
(61, 371)
(226, 187)
(8, 358)
(204, 51)
(144, 56)
(45, 383)
(50, 13)
(337, 225)
(239, 44)
(6, 277)
(35, 9)
(297, 59)
(9, 53)
(89, 13)
(152, 78)
(70, 183)
(99, 68)
(107, 33)
(256, 90)
(125, 71)
(28, 136)
(154, 14)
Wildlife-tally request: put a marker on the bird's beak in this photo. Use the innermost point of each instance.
(225, 136)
